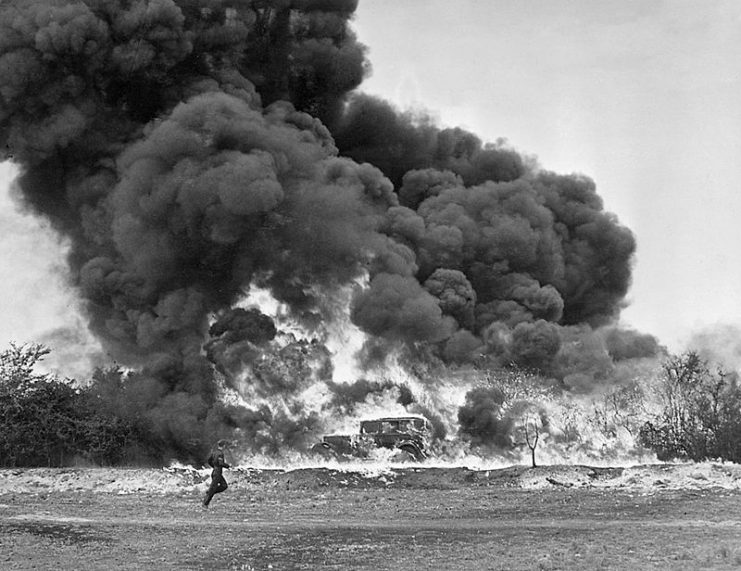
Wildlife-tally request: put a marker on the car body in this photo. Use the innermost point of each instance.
(409, 435)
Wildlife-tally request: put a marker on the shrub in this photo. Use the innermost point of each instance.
(700, 412)
(45, 421)
(37, 412)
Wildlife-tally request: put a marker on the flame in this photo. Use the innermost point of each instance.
(581, 430)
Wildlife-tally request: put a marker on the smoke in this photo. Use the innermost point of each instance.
(189, 150)
(719, 344)
(346, 396)
(372, 131)
(482, 420)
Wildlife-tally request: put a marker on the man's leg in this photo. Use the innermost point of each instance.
(212, 489)
(220, 485)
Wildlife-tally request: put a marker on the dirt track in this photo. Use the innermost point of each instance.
(322, 519)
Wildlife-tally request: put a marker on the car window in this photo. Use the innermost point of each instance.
(370, 427)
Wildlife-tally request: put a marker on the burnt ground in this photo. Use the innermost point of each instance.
(412, 519)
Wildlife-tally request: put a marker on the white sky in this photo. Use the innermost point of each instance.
(30, 290)
(643, 96)
(35, 304)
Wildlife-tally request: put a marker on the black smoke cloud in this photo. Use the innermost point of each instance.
(482, 419)
(372, 131)
(347, 395)
(163, 139)
(189, 149)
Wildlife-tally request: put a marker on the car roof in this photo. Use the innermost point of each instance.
(405, 417)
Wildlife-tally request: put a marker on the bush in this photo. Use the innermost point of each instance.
(700, 413)
(45, 421)
(37, 412)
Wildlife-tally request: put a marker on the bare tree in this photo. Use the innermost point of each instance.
(530, 422)
(532, 427)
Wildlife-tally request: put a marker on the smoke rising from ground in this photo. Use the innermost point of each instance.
(192, 149)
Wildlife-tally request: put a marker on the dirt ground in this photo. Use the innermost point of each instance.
(676, 517)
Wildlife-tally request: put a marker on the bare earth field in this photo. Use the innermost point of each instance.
(558, 517)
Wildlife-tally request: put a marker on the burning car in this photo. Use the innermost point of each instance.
(407, 435)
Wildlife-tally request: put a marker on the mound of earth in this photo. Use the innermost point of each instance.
(180, 480)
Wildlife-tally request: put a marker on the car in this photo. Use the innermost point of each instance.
(408, 435)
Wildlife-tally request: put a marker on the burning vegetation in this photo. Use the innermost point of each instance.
(266, 254)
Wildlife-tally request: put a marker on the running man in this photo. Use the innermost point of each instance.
(217, 462)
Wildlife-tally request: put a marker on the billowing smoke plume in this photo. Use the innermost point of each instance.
(192, 149)
(482, 419)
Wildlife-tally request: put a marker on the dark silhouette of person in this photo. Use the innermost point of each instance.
(218, 463)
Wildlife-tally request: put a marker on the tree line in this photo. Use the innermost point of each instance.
(687, 411)
(47, 421)
(693, 412)
(699, 415)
